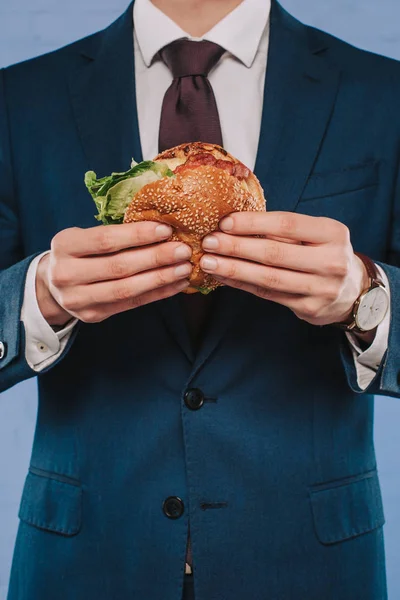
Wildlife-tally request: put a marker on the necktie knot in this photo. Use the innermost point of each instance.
(186, 58)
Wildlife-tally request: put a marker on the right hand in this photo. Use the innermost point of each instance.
(91, 274)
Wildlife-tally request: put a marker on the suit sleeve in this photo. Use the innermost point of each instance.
(387, 379)
(14, 265)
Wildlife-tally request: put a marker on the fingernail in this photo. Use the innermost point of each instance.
(183, 252)
(226, 223)
(210, 242)
(208, 263)
(163, 231)
(183, 270)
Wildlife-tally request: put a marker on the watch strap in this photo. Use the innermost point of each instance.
(375, 278)
(371, 268)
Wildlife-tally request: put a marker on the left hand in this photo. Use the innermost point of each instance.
(302, 262)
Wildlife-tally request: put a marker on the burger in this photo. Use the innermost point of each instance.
(190, 187)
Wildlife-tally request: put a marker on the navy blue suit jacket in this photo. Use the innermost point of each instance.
(277, 469)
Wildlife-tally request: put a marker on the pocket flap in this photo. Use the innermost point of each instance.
(51, 504)
(347, 508)
(321, 185)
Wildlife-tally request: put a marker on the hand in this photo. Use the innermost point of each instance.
(91, 274)
(302, 262)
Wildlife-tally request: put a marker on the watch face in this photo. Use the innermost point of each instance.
(372, 309)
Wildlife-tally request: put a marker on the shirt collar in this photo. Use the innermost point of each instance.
(239, 32)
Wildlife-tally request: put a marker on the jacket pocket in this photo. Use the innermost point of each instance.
(322, 185)
(52, 504)
(347, 508)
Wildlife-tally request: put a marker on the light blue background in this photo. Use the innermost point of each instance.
(32, 27)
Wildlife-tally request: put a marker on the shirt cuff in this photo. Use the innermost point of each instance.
(368, 362)
(43, 345)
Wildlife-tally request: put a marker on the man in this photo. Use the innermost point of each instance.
(249, 458)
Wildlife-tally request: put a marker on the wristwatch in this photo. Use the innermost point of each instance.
(371, 306)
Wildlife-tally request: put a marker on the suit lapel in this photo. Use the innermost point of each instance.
(170, 310)
(299, 97)
(103, 97)
(227, 306)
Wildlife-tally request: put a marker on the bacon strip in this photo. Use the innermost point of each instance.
(241, 171)
(236, 169)
(225, 165)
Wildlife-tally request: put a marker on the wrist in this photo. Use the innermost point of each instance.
(54, 314)
(364, 282)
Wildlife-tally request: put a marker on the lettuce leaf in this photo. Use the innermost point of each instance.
(113, 194)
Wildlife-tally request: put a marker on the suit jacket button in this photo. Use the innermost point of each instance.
(3, 350)
(194, 399)
(173, 507)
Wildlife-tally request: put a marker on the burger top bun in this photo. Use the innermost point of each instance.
(209, 184)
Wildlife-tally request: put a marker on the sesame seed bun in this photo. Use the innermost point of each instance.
(197, 198)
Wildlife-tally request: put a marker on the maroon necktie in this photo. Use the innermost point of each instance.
(189, 114)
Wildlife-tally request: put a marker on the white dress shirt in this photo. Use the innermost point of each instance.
(244, 61)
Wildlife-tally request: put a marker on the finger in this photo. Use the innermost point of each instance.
(120, 264)
(294, 226)
(288, 300)
(108, 292)
(100, 312)
(267, 252)
(108, 239)
(304, 307)
(280, 280)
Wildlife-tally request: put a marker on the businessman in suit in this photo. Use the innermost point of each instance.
(188, 448)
